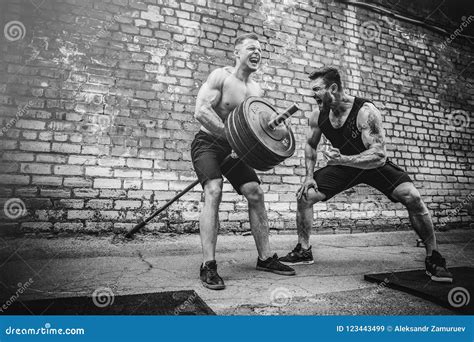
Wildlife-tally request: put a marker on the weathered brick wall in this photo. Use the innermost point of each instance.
(97, 102)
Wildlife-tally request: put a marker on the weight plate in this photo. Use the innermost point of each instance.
(280, 140)
(256, 144)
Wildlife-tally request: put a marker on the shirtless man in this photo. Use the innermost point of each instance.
(224, 90)
(354, 127)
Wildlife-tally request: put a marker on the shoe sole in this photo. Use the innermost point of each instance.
(289, 263)
(287, 273)
(439, 279)
(212, 287)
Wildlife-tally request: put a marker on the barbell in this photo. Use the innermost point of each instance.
(255, 133)
(259, 137)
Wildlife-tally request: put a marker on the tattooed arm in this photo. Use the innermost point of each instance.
(369, 121)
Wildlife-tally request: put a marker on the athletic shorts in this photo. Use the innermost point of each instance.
(208, 152)
(334, 179)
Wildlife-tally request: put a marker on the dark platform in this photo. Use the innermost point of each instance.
(419, 284)
(161, 303)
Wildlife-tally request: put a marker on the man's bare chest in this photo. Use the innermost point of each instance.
(234, 93)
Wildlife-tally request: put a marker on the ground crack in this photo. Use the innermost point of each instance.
(150, 266)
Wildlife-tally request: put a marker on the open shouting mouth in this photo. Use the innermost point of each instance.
(318, 100)
(254, 60)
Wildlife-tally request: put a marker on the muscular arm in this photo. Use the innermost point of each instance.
(373, 137)
(314, 135)
(208, 98)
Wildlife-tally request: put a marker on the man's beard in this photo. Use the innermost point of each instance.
(326, 102)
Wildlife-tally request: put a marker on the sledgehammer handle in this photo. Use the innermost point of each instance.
(283, 116)
(143, 223)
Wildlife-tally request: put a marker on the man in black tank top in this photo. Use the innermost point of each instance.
(354, 127)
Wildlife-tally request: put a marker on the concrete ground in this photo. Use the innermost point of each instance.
(333, 285)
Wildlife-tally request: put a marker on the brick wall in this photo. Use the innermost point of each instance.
(97, 101)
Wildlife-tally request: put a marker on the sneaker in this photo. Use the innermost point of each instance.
(436, 268)
(273, 265)
(298, 256)
(209, 276)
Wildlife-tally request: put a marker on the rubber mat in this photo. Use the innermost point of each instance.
(456, 296)
(160, 303)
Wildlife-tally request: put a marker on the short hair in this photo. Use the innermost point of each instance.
(242, 37)
(330, 75)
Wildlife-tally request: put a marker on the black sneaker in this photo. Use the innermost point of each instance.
(209, 276)
(298, 256)
(436, 268)
(273, 265)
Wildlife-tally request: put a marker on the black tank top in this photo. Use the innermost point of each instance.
(347, 138)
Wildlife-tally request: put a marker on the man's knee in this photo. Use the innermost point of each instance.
(311, 198)
(253, 192)
(410, 197)
(213, 190)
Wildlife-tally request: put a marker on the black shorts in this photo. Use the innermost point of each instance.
(334, 179)
(208, 152)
